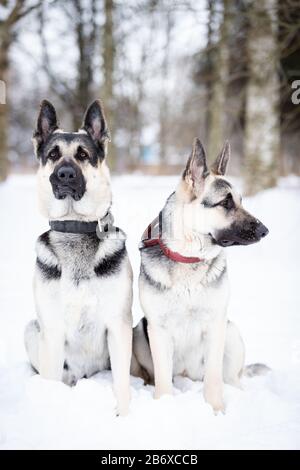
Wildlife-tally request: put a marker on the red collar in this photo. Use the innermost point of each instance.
(148, 240)
(173, 255)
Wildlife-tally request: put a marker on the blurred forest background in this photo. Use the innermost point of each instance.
(167, 71)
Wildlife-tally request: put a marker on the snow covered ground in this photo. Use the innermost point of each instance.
(265, 304)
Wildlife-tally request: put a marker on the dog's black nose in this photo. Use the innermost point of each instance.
(66, 174)
(261, 230)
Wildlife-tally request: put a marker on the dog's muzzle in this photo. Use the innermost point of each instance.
(68, 180)
(241, 234)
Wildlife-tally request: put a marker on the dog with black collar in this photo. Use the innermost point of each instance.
(83, 277)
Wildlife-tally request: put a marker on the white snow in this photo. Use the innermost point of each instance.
(265, 304)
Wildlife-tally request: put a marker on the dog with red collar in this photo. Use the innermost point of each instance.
(184, 287)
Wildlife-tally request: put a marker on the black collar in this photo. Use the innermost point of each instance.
(73, 226)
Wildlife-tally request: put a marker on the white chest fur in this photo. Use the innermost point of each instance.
(187, 302)
(80, 304)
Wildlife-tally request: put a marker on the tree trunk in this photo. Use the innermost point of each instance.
(19, 9)
(85, 44)
(219, 87)
(164, 101)
(209, 58)
(108, 65)
(262, 137)
(4, 66)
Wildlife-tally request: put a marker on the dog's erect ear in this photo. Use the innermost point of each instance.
(94, 122)
(196, 169)
(220, 165)
(46, 123)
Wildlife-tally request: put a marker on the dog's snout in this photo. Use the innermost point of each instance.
(247, 232)
(261, 230)
(66, 173)
(68, 180)
(224, 242)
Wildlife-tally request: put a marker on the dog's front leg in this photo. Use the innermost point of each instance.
(51, 353)
(120, 347)
(162, 355)
(51, 336)
(213, 378)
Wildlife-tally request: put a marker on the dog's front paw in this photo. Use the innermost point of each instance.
(159, 392)
(123, 403)
(122, 411)
(213, 395)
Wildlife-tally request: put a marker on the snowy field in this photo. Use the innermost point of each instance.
(265, 304)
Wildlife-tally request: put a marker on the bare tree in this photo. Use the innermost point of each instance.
(216, 111)
(86, 42)
(262, 133)
(164, 101)
(289, 46)
(131, 117)
(75, 96)
(14, 13)
(108, 55)
(209, 56)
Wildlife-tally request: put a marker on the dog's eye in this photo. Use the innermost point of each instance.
(227, 203)
(53, 154)
(82, 155)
